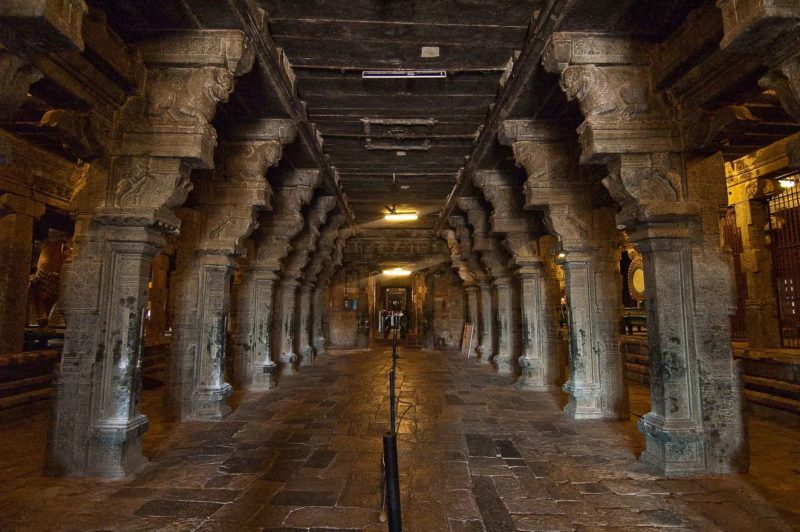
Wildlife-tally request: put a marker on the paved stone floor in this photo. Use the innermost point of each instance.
(475, 455)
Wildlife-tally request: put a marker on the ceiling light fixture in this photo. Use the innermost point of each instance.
(397, 272)
(403, 74)
(393, 215)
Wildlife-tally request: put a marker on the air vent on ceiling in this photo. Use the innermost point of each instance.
(403, 74)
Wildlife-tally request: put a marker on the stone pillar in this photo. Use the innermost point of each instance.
(124, 205)
(17, 215)
(323, 281)
(209, 244)
(538, 361)
(589, 239)
(255, 367)
(504, 358)
(318, 321)
(310, 316)
(486, 349)
(596, 385)
(467, 277)
(761, 307)
(473, 315)
(670, 204)
(291, 273)
(285, 301)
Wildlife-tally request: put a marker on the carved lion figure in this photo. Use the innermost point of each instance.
(188, 97)
(602, 92)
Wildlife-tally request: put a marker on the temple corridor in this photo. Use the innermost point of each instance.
(475, 454)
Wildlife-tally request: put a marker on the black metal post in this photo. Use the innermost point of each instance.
(392, 481)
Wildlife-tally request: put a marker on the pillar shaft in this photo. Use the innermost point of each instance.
(596, 385)
(255, 366)
(318, 321)
(109, 442)
(473, 315)
(304, 349)
(538, 346)
(285, 303)
(486, 348)
(503, 359)
(198, 384)
(761, 307)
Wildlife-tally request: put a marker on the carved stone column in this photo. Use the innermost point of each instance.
(323, 281)
(255, 367)
(481, 243)
(17, 216)
(475, 291)
(589, 240)
(309, 319)
(291, 272)
(671, 209)
(467, 277)
(496, 263)
(124, 206)
(229, 203)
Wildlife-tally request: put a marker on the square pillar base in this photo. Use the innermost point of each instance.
(115, 448)
(677, 452)
(212, 403)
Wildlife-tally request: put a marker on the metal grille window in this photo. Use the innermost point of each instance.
(784, 216)
(732, 236)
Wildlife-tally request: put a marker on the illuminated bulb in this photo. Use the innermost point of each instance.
(787, 183)
(401, 217)
(396, 272)
(562, 255)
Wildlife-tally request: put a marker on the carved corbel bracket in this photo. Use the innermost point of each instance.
(145, 191)
(189, 73)
(758, 26)
(705, 131)
(648, 188)
(224, 229)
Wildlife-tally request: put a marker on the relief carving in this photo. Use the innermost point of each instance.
(186, 97)
(249, 162)
(644, 180)
(141, 183)
(543, 162)
(614, 92)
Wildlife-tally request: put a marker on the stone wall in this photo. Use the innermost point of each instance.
(342, 323)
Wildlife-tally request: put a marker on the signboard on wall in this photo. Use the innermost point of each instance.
(467, 338)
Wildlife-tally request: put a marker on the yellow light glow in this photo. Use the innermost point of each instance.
(401, 217)
(396, 272)
(787, 183)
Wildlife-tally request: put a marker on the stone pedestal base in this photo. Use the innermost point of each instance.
(484, 355)
(306, 356)
(585, 403)
(262, 378)
(503, 365)
(287, 363)
(532, 377)
(673, 451)
(115, 447)
(212, 403)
